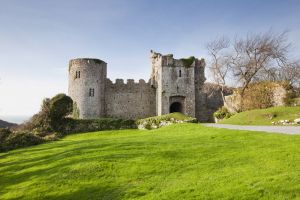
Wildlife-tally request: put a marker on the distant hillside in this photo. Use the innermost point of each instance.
(4, 124)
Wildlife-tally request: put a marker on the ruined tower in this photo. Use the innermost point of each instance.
(87, 79)
(176, 82)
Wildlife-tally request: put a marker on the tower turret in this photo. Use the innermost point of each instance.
(175, 81)
(87, 79)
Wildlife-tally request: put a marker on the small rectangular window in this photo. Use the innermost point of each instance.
(92, 92)
(179, 73)
(77, 74)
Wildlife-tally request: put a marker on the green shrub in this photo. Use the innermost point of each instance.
(51, 117)
(294, 102)
(40, 122)
(51, 123)
(158, 121)
(222, 113)
(87, 125)
(4, 133)
(260, 95)
(20, 139)
(60, 106)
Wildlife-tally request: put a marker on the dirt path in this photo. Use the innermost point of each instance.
(293, 130)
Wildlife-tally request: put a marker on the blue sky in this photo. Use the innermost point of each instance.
(38, 38)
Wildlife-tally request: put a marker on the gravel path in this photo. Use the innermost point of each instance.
(294, 130)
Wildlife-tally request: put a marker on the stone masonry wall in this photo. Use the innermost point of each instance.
(131, 100)
(200, 105)
(175, 81)
(175, 86)
(209, 100)
(92, 76)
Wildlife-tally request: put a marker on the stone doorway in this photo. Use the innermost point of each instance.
(176, 107)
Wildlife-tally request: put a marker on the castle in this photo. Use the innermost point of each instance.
(176, 85)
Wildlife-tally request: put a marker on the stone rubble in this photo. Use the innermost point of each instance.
(287, 122)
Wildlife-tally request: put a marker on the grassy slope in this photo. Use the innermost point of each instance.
(262, 117)
(182, 161)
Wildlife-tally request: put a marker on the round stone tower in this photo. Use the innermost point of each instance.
(87, 87)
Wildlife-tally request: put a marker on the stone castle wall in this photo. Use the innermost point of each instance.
(175, 86)
(129, 100)
(92, 76)
(200, 104)
(209, 100)
(175, 81)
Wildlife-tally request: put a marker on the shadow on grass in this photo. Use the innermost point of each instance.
(49, 166)
(91, 192)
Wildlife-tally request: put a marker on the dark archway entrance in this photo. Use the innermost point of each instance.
(176, 107)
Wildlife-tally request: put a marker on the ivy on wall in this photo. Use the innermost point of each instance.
(187, 62)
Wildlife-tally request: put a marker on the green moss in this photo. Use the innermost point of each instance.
(187, 62)
(98, 61)
(76, 111)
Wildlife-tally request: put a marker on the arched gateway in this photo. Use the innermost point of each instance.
(176, 107)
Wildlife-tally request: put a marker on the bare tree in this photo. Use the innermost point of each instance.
(290, 73)
(257, 57)
(257, 53)
(220, 61)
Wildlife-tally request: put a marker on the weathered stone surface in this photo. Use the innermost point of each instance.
(176, 82)
(209, 100)
(175, 85)
(92, 76)
(233, 102)
(130, 100)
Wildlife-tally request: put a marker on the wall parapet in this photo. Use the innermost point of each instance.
(85, 61)
(130, 85)
(128, 82)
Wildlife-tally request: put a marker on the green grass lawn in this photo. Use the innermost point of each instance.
(264, 116)
(182, 161)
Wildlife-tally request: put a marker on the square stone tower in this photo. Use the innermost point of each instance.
(177, 83)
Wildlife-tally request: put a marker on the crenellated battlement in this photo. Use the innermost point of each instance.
(85, 62)
(129, 86)
(168, 60)
(127, 82)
